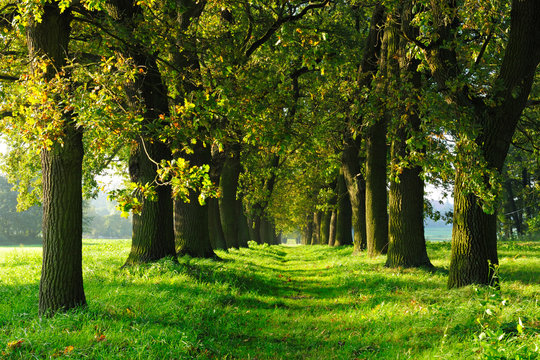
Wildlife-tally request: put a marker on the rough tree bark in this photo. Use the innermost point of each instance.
(343, 214)
(332, 231)
(376, 149)
(215, 231)
(407, 245)
(191, 218)
(61, 284)
(316, 236)
(228, 206)
(325, 227)
(474, 256)
(153, 232)
(356, 185)
(307, 231)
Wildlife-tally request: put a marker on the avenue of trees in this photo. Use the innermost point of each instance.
(243, 120)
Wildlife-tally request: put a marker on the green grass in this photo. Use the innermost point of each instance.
(275, 302)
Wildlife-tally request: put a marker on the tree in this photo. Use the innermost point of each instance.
(375, 140)
(61, 285)
(153, 232)
(407, 245)
(343, 214)
(489, 114)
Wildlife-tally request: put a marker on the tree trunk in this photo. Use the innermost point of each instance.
(61, 284)
(332, 231)
(153, 231)
(376, 163)
(307, 233)
(191, 218)
(376, 197)
(255, 228)
(268, 232)
(228, 207)
(316, 236)
(356, 186)
(325, 227)
(343, 215)
(474, 237)
(407, 245)
(243, 225)
(215, 232)
(474, 241)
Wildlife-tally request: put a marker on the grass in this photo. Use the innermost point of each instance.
(273, 302)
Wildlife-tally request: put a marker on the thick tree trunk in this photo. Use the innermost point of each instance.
(356, 185)
(191, 229)
(343, 215)
(228, 207)
(255, 229)
(153, 231)
(243, 225)
(376, 197)
(268, 232)
(316, 236)
(474, 239)
(215, 232)
(307, 233)
(191, 218)
(333, 229)
(61, 284)
(407, 245)
(325, 227)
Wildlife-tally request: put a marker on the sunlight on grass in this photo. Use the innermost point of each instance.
(272, 302)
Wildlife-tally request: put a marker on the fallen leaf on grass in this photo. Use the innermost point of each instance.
(15, 344)
(68, 349)
(100, 338)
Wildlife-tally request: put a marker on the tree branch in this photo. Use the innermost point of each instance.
(484, 46)
(532, 103)
(8, 77)
(280, 21)
(4, 114)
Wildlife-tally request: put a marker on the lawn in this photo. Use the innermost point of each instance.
(273, 302)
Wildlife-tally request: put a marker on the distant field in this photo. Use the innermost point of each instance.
(438, 233)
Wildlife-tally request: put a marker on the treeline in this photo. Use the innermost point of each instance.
(17, 227)
(100, 220)
(240, 120)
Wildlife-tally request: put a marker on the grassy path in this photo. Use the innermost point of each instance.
(273, 302)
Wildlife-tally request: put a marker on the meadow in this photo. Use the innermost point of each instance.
(273, 302)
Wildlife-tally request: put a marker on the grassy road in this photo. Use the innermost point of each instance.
(274, 302)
